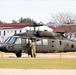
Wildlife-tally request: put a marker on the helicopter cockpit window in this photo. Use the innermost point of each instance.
(45, 42)
(18, 41)
(10, 40)
(6, 41)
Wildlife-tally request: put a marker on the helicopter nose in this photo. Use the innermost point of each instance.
(3, 48)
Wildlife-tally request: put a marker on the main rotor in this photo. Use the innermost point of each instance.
(35, 25)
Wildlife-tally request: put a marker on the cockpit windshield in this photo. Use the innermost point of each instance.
(10, 40)
(6, 40)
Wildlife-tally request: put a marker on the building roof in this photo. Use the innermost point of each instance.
(63, 28)
(71, 28)
(15, 25)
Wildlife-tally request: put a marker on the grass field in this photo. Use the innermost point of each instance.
(38, 63)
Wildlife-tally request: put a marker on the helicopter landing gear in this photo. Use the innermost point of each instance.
(19, 54)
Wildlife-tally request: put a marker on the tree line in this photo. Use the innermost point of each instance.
(59, 18)
(20, 20)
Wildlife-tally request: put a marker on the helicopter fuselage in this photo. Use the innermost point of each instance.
(18, 44)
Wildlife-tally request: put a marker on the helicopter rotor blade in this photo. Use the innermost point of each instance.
(35, 25)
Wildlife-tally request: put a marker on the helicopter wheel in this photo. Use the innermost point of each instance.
(19, 54)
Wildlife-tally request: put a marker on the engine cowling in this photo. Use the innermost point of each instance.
(47, 34)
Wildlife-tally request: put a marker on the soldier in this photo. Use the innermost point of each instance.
(29, 48)
(33, 49)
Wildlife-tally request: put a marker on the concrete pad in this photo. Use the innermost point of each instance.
(37, 72)
(12, 56)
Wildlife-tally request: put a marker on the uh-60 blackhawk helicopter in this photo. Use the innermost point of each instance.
(45, 41)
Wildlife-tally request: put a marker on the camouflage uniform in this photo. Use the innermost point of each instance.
(33, 49)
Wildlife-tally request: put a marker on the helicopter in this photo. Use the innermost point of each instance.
(45, 41)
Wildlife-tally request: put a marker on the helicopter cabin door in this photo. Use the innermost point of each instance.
(17, 45)
(42, 45)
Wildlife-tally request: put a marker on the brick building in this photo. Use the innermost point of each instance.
(10, 29)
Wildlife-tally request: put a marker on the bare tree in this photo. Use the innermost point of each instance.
(64, 18)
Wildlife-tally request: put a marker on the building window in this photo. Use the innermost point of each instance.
(20, 31)
(4, 33)
(7, 31)
(15, 31)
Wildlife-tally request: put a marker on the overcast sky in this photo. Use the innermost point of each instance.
(38, 10)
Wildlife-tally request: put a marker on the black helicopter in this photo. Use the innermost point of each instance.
(46, 42)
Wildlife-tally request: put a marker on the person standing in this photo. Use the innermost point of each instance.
(33, 49)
